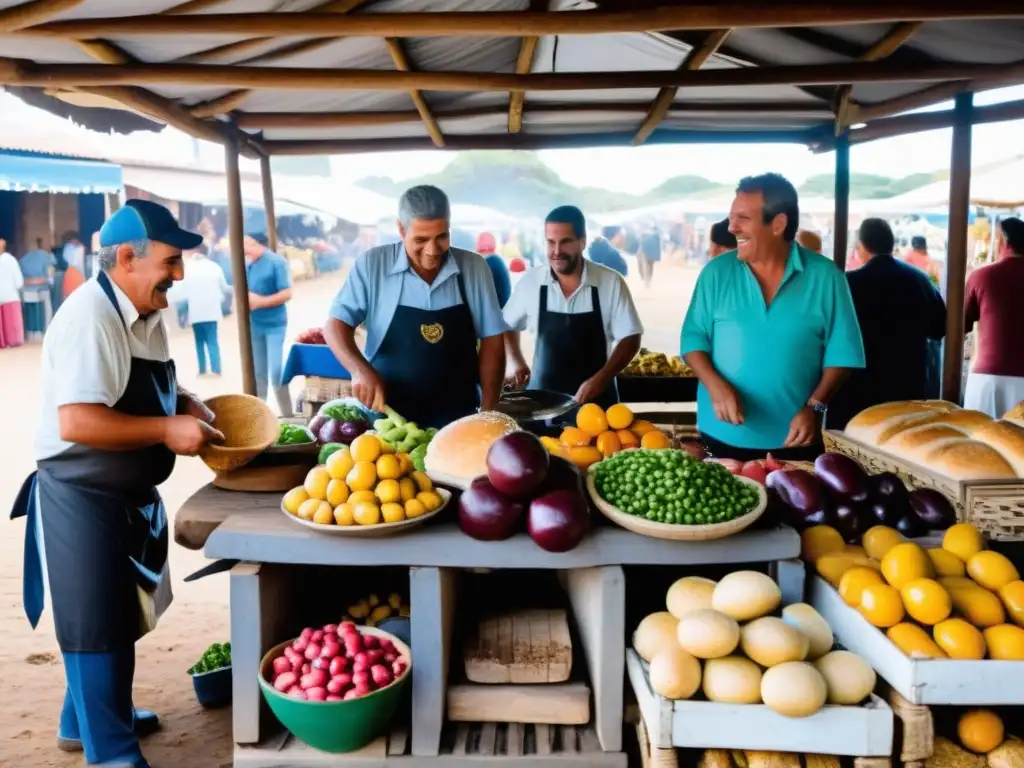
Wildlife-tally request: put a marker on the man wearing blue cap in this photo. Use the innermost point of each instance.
(113, 421)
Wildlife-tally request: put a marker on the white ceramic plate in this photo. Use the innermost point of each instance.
(372, 531)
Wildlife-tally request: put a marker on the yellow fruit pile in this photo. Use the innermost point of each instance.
(962, 592)
(599, 433)
(363, 484)
(371, 610)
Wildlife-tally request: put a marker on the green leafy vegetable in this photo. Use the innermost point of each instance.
(343, 413)
(292, 434)
(217, 656)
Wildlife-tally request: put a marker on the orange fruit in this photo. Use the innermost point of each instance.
(831, 567)
(339, 464)
(906, 562)
(337, 492)
(926, 601)
(389, 467)
(572, 436)
(879, 539)
(978, 606)
(959, 639)
(640, 427)
(317, 480)
(992, 570)
(628, 438)
(294, 498)
(946, 563)
(619, 416)
(608, 443)
(881, 605)
(392, 512)
(365, 448)
(362, 476)
(1013, 598)
(819, 540)
(963, 540)
(980, 730)
(854, 581)
(591, 419)
(584, 455)
(914, 641)
(655, 440)
(1005, 641)
(366, 514)
(343, 514)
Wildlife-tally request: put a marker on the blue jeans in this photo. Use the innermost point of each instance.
(267, 358)
(206, 342)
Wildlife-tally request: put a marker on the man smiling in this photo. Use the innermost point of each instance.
(771, 332)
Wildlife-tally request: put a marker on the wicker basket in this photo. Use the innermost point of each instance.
(249, 428)
(996, 507)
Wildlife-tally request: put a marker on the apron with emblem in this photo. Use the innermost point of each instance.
(428, 360)
(96, 534)
(569, 349)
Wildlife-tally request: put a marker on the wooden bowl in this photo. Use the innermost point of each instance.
(249, 428)
(675, 531)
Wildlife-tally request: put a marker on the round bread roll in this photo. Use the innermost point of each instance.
(967, 460)
(870, 423)
(458, 452)
(1008, 439)
(962, 420)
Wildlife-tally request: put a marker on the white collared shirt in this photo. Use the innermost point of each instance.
(618, 312)
(203, 289)
(87, 356)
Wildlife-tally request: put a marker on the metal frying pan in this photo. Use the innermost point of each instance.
(526, 405)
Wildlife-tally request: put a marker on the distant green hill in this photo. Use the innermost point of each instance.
(520, 183)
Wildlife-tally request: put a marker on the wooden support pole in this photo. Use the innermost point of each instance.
(18, 17)
(841, 227)
(956, 250)
(222, 105)
(236, 237)
(524, 65)
(401, 61)
(267, 177)
(667, 18)
(307, 78)
(105, 52)
(694, 60)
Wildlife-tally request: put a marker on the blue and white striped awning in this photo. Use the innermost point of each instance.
(36, 172)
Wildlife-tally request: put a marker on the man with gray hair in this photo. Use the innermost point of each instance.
(434, 349)
(113, 421)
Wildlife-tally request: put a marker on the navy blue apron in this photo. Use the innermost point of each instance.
(104, 525)
(570, 348)
(428, 360)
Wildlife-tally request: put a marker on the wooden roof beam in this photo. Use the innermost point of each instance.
(524, 65)
(222, 105)
(693, 61)
(667, 18)
(19, 17)
(23, 73)
(105, 52)
(398, 56)
(192, 6)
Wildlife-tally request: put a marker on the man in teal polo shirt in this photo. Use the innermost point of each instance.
(771, 332)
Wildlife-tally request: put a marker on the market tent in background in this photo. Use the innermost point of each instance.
(1001, 187)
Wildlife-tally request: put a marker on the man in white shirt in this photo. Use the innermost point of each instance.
(12, 329)
(582, 314)
(203, 292)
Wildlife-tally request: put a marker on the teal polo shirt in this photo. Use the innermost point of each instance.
(773, 356)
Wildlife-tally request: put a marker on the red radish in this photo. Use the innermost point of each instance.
(330, 650)
(320, 663)
(292, 690)
(360, 678)
(292, 655)
(347, 626)
(364, 689)
(312, 651)
(352, 693)
(330, 629)
(398, 667)
(297, 693)
(317, 678)
(331, 697)
(390, 657)
(297, 666)
(316, 694)
(371, 641)
(754, 470)
(282, 665)
(381, 675)
(771, 464)
(306, 634)
(353, 645)
(285, 680)
(300, 644)
(338, 665)
(339, 684)
(306, 668)
(374, 656)
(361, 662)
(387, 645)
(318, 636)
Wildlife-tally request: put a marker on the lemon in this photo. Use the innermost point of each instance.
(366, 448)
(963, 540)
(619, 416)
(366, 514)
(308, 508)
(414, 508)
(430, 499)
(405, 465)
(362, 476)
(423, 482)
(343, 514)
(316, 483)
(339, 464)
(388, 491)
(324, 514)
(362, 497)
(337, 492)
(392, 513)
(294, 498)
(408, 488)
(389, 467)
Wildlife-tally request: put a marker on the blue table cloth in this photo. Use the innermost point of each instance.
(313, 360)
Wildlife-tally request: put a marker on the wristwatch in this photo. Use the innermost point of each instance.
(817, 406)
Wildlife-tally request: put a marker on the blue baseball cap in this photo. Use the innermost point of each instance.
(142, 219)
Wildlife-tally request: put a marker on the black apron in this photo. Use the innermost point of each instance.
(569, 349)
(104, 525)
(428, 360)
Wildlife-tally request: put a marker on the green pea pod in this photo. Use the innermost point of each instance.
(395, 435)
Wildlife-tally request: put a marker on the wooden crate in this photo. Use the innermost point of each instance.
(996, 507)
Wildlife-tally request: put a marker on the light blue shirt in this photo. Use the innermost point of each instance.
(773, 356)
(36, 264)
(268, 275)
(382, 279)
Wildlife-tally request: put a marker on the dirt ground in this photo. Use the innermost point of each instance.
(31, 674)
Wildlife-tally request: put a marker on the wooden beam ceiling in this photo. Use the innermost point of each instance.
(222, 105)
(401, 60)
(524, 65)
(706, 16)
(18, 17)
(693, 61)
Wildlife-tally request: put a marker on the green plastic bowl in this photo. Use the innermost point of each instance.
(336, 726)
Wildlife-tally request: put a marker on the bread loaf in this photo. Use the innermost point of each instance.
(868, 425)
(1006, 438)
(1016, 414)
(458, 452)
(963, 421)
(964, 460)
(913, 443)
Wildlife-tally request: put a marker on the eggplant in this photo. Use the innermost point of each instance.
(826, 515)
(851, 520)
(350, 430)
(912, 526)
(843, 476)
(316, 423)
(887, 485)
(887, 513)
(932, 509)
(798, 489)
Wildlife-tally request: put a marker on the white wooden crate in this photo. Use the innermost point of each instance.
(864, 731)
(919, 681)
